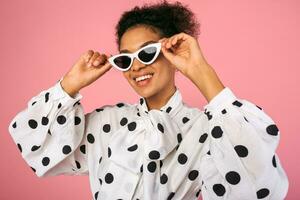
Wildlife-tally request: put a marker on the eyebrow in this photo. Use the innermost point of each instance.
(144, 44)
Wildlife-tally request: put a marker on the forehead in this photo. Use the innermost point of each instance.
(133, 38)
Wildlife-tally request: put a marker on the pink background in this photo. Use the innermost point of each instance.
(253, 46)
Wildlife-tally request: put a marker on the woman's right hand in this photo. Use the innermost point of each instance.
(90, 66)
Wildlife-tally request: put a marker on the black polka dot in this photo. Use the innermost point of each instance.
(46, 97)
(77, 164)
(100, 180)
(274, 161)
(160, 163)
(35, 147)
(100, 159)
(66, 149)
(219, 189)
(182, 158)
(59, 105)
(169, 109)
(33, 169)
(123, 121)
(203, 137)
(171, 195)
(77, 102)
(272, 129)
(217, 132)
(262, 193)
(185, 120)
(19, 147)
(32, 123)
(133, 147)
(237, 103)
(179, 137)
(99, 109)
(246, 119)
(141, 168)
(96, 195)
(141, 101)
(151, 166)
(77, 120)
(49, 132)
(224, 111)
(160, 127)
(193, 175)
(33, 103)
(82, 148)
(233, 177)
(241, 150)
(109, 178)
(163, 179)
(61, 119)
(106, 128)
(208, 152)
(209, 116)
(45, 121)
(90, 138)
(154, 155)
(108, 151)
(120, 105)
(14, 125)
(131, 126)
(259, 107)
(46, 161)
(198, 193)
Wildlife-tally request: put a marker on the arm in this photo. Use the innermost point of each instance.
(51, 133)
(242, 162)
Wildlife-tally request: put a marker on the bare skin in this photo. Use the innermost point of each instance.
(162, 85)
(180, 52)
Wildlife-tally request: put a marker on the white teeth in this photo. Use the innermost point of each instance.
(143, 77)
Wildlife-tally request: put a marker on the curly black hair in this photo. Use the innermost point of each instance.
(164, 18)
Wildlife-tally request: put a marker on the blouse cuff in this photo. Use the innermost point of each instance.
(218, 102)
(59, 92)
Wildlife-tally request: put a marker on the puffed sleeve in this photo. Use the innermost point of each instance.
(50, 133)
(241, 162)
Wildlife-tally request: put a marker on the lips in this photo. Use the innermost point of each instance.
(136, 76)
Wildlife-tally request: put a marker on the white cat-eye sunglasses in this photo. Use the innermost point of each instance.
(145, 55)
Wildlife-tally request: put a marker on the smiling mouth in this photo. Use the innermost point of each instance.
(143, 80)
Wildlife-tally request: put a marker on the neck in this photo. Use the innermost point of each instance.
(161, 98)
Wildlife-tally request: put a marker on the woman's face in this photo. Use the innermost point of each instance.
(163, 72)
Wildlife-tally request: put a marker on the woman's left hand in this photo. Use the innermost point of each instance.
(184, 53)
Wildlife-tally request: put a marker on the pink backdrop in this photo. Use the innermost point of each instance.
(253, 46)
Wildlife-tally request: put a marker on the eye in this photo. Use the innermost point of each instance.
(147, 54)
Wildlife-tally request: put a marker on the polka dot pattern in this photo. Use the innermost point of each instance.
(165, 146)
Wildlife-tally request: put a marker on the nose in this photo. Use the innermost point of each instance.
(137, 65)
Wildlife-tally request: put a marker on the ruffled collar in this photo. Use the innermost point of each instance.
(172, 106)
(144, 142)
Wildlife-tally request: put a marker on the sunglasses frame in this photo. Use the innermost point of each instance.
(135, 55)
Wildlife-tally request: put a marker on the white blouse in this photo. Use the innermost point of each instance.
(226, 151)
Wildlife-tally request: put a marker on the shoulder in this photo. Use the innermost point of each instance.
(188, 114)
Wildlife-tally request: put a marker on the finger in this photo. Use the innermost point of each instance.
(88, 55)
(101, 59)
(93, 58)
(104, 68)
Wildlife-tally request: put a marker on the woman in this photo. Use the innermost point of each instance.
(158, 148)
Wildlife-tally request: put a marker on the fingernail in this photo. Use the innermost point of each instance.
(89, 64)
(96, 62)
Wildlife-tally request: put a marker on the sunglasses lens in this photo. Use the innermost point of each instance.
(122, 61)
(147, 54)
